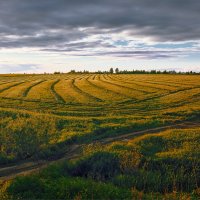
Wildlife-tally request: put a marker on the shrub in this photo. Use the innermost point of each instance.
(65, 188)
(29, 187)
(100, 166)
(24, 137)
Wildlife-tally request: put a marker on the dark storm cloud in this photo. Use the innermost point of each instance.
(136, 54)
(57, 23)
(41, 39)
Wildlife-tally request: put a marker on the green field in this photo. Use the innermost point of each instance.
(105, 136)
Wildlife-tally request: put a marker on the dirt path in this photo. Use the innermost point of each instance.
(128, 136)
(27, 167)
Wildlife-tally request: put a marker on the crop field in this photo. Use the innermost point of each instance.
(146, 124)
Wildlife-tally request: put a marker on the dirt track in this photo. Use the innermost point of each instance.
(27, 167)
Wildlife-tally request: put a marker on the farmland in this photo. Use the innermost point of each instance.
(43, 116)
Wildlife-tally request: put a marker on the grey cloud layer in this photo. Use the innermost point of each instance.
(56, 24)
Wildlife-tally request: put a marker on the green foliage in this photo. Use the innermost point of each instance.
(99, 166)
(157, 162)
(151, 145)
(124, 169)
(24, 137)
(29, 187)
(65, 188)
(111, 70)
(40, 115)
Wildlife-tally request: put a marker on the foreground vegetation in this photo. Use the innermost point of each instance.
(42, 115)
(155, 166)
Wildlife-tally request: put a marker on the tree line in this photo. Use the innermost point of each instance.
(117, 71)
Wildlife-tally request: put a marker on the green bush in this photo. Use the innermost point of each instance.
(99, 166)
(25, 137)
(30, 187)
(65, 188)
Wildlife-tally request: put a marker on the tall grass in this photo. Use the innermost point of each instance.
(41, 115)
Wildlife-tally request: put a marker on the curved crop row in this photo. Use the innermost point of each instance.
(25, 93)
(57, 96)
(10, 86)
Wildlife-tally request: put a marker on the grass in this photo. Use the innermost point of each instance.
(143, 168)
(40, 115)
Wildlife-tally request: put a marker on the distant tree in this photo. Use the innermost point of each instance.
(164, 72)
(72, 71)
(117, 70)
(153, 72)
(111, 70)
(85, 72)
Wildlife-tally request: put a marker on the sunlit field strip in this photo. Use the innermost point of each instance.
(122, 90)
(157, 86)
(27, 90)
(181, 80)
(109, 114)
(137, 93)
(11, 86)
(109, 94)
(162, 82)
(173, 92)
(109, 110)
(18, 91)
(57, 96)
(6, 85)
(49, 106)
(131, 90)
(110, 89)
(171, 84)
(70, 92)
(137, 85)
(142, 78)
(96, 92)
(99, 92)
(180, 96)
(79, 119)
(66, 112)
(63, 89)
(103, 114)
(128, 84)
(96, 77)
(85, 76)
(160, 79)
(42, 91)
(189, 107)
(5, 82)
(186, 80)
(83, 87)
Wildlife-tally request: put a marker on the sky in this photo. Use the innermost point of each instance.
(39, 36)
